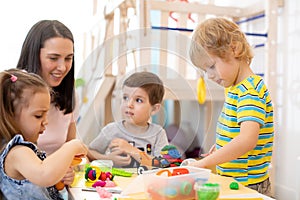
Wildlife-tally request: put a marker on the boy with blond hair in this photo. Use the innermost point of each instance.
(245, 131)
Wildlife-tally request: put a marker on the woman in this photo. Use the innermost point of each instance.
(48, 50)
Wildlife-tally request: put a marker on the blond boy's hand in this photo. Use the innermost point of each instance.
(211, 150)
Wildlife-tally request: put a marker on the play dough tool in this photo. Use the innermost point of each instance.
(121, 172)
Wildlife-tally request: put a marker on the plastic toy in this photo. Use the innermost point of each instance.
(148, 163)
(121, 172)
(171, 153)
(171, 157)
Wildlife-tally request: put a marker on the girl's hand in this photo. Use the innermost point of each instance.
(81, 148)
(69, 176)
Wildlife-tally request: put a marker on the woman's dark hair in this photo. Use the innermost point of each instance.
(30, 59)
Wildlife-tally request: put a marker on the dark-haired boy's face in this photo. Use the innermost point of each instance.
(136, 107)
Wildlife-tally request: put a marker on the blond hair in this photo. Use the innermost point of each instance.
(219, 36)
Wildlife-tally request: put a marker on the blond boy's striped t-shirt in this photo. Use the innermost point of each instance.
(247, 101)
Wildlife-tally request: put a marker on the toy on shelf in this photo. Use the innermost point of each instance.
(170, 158)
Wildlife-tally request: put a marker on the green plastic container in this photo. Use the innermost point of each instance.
(206, 191)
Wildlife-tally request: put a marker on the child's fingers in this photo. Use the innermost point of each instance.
(69, 177)
(212, 149)
(204, 154)
(79, 156)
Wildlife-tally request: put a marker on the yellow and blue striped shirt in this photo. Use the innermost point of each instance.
(247, 101)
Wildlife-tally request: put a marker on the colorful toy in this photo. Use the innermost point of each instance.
(148, 163)
(171, 153)
(171, 157)
(96, 178)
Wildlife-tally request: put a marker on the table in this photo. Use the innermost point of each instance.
(125, 183)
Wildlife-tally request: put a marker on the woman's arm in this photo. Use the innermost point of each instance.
(71, 131)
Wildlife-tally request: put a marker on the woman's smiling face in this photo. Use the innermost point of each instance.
(56, 60)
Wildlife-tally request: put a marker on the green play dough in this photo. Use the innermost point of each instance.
(234, 186)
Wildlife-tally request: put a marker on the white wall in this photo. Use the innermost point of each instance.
(287, 170)
(17, 17)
